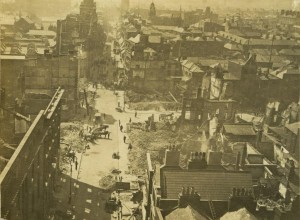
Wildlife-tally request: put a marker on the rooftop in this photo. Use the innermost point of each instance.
(210, 184)
(41, 33)
(294, 127)
(239, 129)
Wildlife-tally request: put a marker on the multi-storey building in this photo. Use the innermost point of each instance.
(28, 174)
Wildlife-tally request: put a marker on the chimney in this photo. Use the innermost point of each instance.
(172, 157)
(188, 196)
(214, 157)
(199, 92)
(290, 165)
(237, 164)
(244, 155)
(197, 161)
(259, 136)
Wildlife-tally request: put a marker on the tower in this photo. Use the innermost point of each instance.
(152, 12)
(87, 16)
(124, 5)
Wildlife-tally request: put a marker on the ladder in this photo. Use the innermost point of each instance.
(212, 209)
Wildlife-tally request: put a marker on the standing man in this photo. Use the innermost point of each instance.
(135, 114)
(121, 128)
(124, 139)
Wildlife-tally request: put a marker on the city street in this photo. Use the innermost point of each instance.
(96, 164)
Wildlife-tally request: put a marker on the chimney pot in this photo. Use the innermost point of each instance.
(183, 190)
(238, 190)
(188, 190)
(196, 156)
(243, 191)
(234, 191)
(200, 155)
(192, 191)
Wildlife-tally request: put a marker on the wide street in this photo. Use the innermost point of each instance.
(93, 176)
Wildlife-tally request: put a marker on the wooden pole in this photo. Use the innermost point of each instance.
(86, 103)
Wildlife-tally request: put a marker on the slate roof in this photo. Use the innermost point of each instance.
(41, 33)
(210, 184)
(293, 127)
(239, 129)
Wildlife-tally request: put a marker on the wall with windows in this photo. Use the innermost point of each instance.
(27, 181)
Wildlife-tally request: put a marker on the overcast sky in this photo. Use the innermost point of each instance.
(192, 4)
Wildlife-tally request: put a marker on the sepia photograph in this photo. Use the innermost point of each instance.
(149, 109)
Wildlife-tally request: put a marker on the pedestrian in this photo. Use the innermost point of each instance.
(124, 138)
(135, 114)
(129, 146)
(76, 165)
(108, 135)
(129, 120)
(121, 128)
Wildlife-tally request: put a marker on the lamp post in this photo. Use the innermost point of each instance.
(73, 159)
(70, 192)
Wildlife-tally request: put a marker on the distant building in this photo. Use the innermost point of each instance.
(289, 17)
(125, 5)
(24, 24)
(167, 19)
(152, 12)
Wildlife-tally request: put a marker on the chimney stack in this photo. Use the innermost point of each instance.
(188, 196)
(244, 155)
(197, 160)
(172, 157)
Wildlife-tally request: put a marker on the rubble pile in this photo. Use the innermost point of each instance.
(156, 142)
(70, 135)
(70, 140)
(144, 142)
(146, 101)
(155, 105)
(144, 97)
(107, 182)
